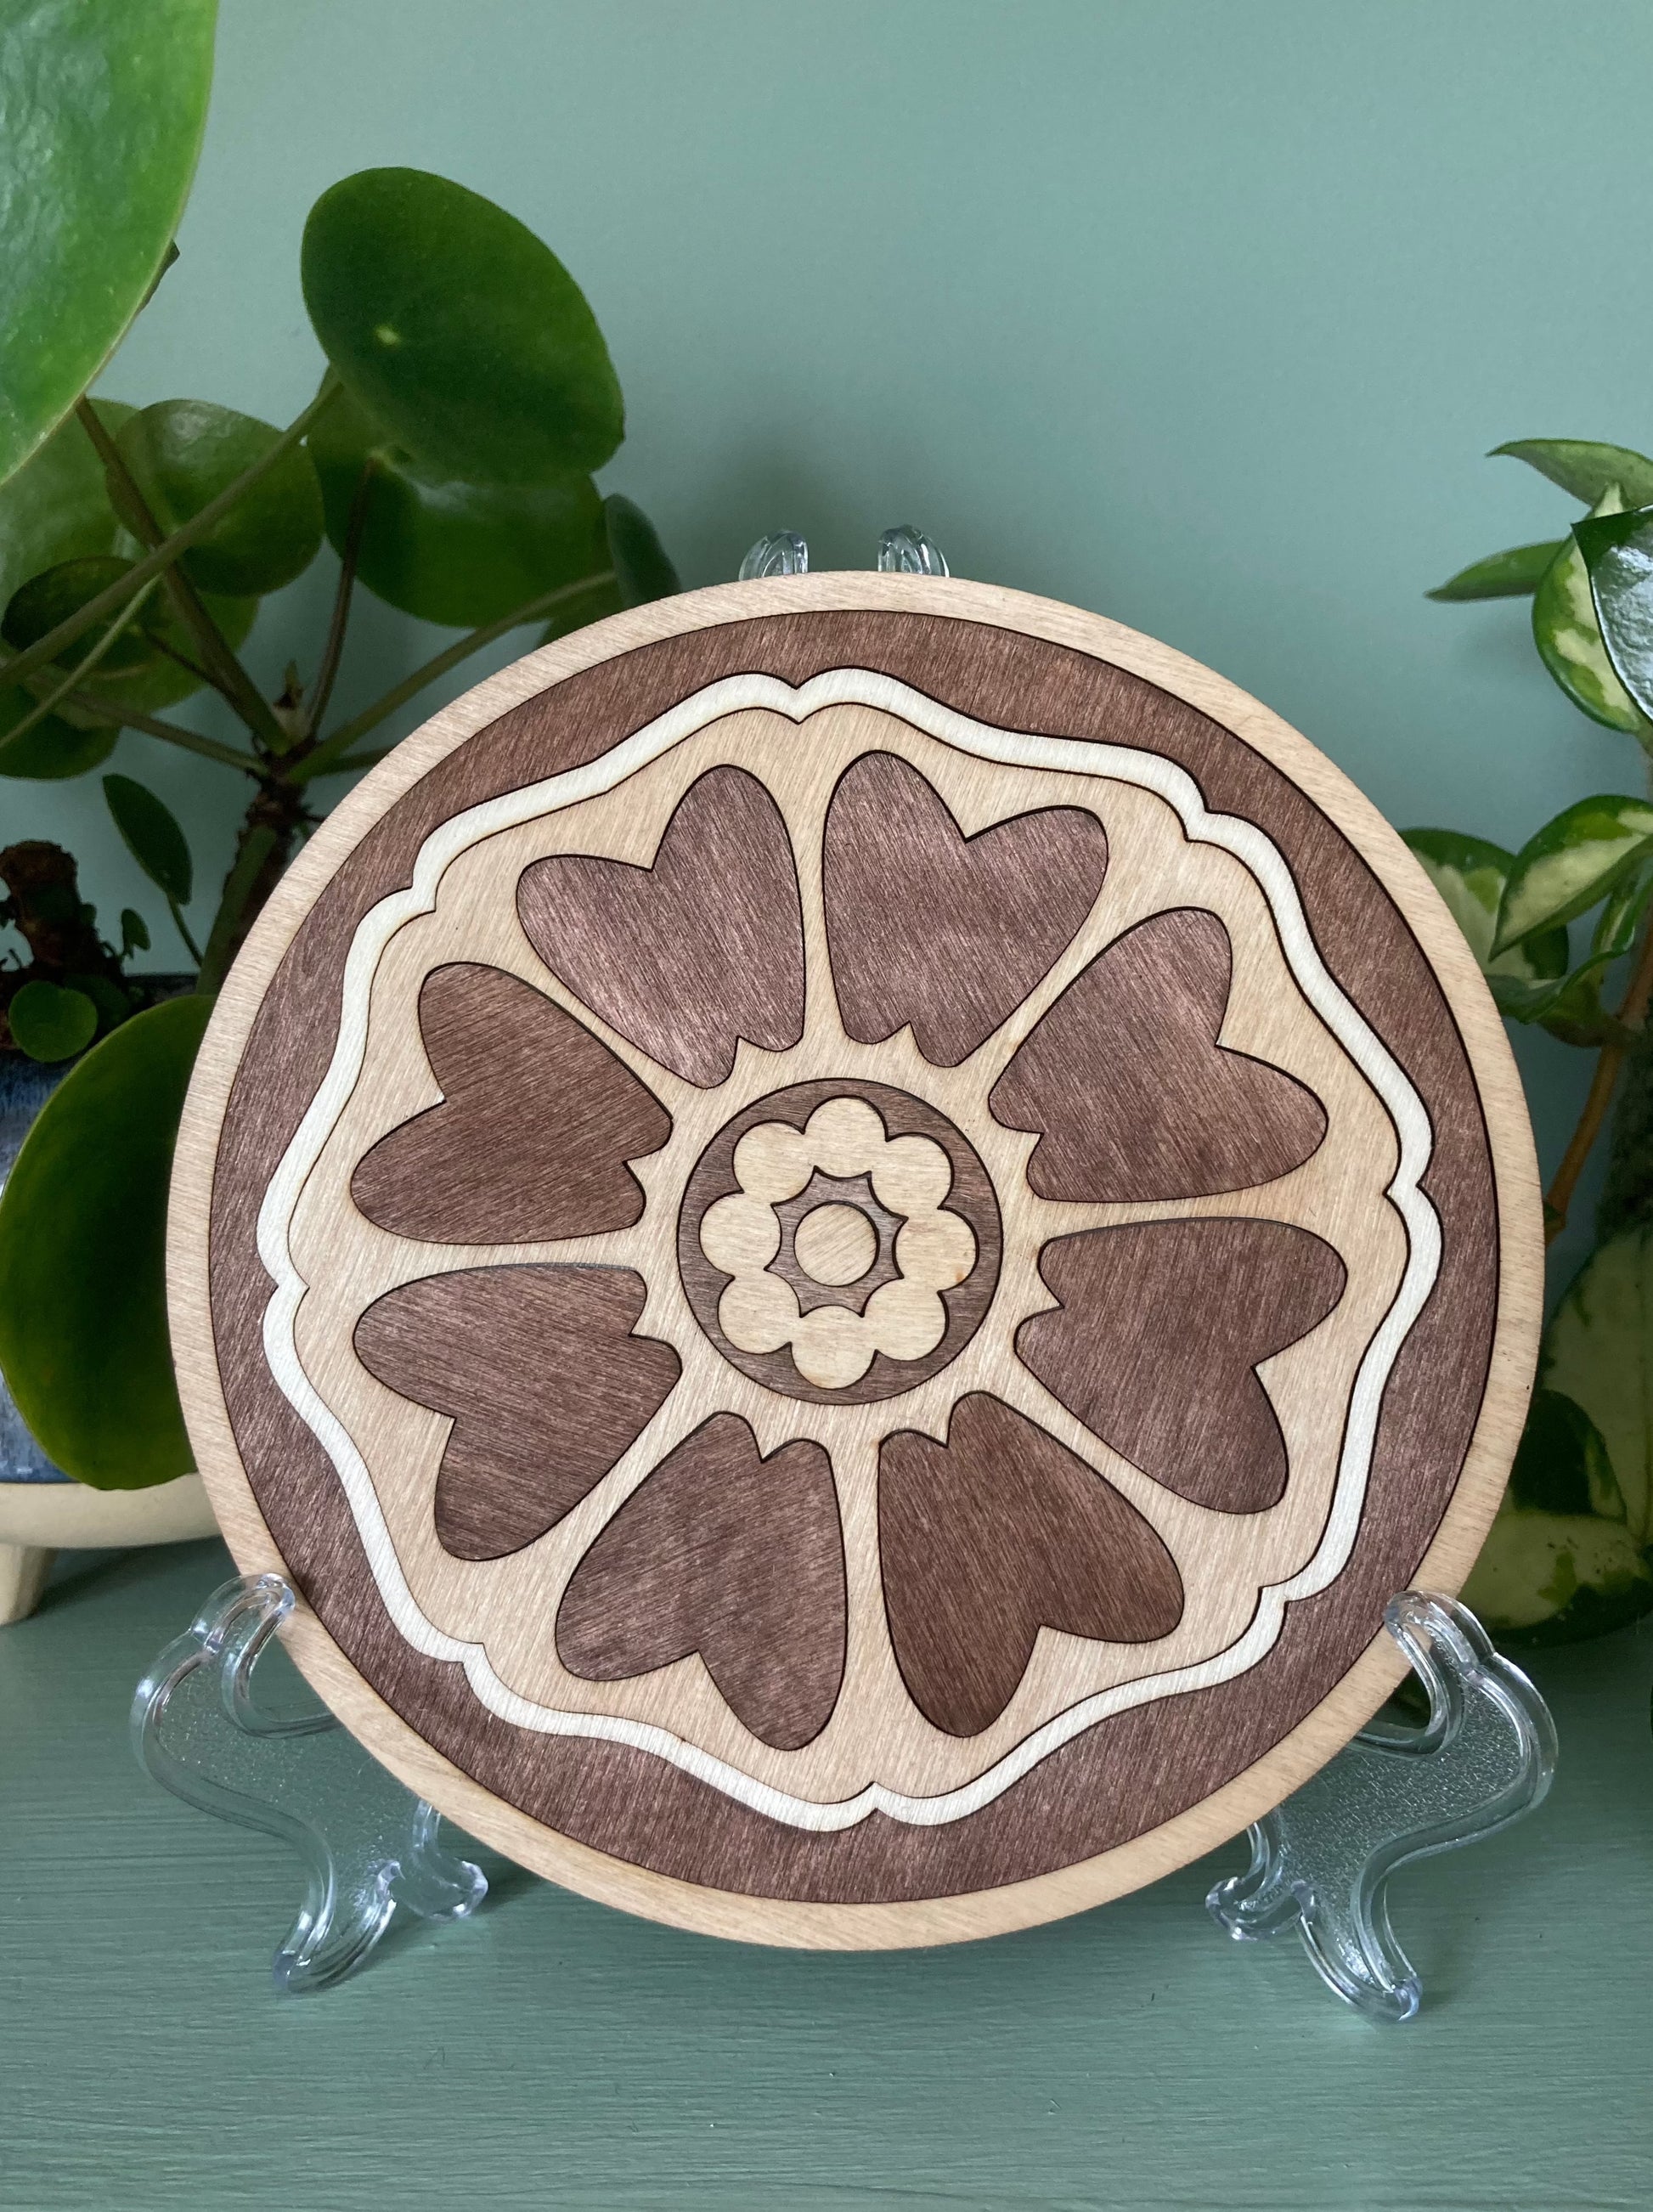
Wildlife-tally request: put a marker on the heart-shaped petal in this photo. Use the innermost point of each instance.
(538, 1120)
(994, 1535)
(1132, 1094)
(1158, 1339)
(546, 1385)
(948, 932)
(739, 1558)
(689, 955)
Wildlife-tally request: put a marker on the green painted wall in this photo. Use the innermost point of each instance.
(1200, 312)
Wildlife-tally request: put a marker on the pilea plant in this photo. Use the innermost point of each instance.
(1561, 929)
(465, 397)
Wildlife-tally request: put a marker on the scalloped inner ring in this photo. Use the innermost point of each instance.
(970, 1196)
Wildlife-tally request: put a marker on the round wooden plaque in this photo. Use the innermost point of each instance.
(845, 1231)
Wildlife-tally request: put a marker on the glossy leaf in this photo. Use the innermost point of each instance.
(54, 747)
(1619, 922)
(102, 106)
(150, 832)
(1512, 575)
(183, 452)
(137, 672)
(134, 931)
(458, 331)
(1571, 863)
(50, 1023)
(83, 1340)
(640, 563)
(1470, 874)
(445, 549)
(1585, 469)
(56, 506)
(1569, 639)
(1617, 555)
(1568, 1556)
(1568, 1007)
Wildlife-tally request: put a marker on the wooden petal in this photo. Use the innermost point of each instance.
(990, 1536)
(686, 958)
(538, 1120)
(739, 1558)
(544, 1382)
(1132, 1094)
(1156, 1345)
(949, 933)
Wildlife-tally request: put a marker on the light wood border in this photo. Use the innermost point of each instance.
(1321, 1732)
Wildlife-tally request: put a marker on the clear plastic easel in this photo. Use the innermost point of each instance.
(1321, 1862)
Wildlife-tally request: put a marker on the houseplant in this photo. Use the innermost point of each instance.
(465, 397)
(1570, 1554)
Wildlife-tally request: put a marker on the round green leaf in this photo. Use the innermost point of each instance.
(102, 105)
(183, 452)
(1572, 862)
(53, 747)
(1512, 575)
(1569, 1555)
(83, 1341)
(49, 1022)
(56, 506)
(1470, 874)
(150, 831)
(640, 562)
(1569, 639)
(459, 330)
(445, 549)
(40, 604)
(1618, 552)
(136, 672)
(1585, 468)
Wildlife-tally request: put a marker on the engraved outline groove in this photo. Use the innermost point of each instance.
(860, 686)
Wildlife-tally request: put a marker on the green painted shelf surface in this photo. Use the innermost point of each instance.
(555, 2053)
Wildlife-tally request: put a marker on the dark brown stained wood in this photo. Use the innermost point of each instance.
(1132, 1772)
(949, 933)
(538, 1120)
(739, 1558)
(994, 1535)
(1134, 1097)
(542, 1377)
(1160, 1328)
(687, 957)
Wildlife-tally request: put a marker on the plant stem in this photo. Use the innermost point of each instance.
(1608, 1063)
(333, 652)
(55, 698)
(172, 733)
(155, 564)
(334, 747)
(224, 671)
(182, 927)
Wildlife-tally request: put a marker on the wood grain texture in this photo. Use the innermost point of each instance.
(970, 1195)
(541, 1376)
(1196, 1770)
(948, 932)
(687, 957)
(994, 1533)
(843, 1268)
(538, 1123)
(731, 1555)
(1131, 1094)
(1157, 1338)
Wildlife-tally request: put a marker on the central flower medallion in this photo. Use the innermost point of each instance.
(840, 1241)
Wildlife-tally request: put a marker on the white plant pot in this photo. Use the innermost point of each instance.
(42, 1511)
(39, 1519)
